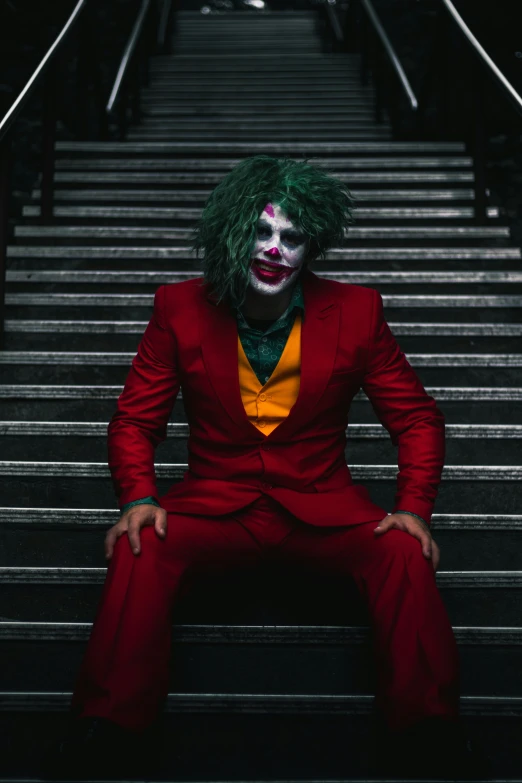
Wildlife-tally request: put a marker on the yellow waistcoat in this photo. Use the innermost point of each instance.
(266, 406)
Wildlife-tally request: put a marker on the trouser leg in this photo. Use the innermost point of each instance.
(416, 654)
(124, 675)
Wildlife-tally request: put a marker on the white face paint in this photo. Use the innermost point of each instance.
(279, 252)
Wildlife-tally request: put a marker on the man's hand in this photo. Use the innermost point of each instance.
(414, 527)
(132, 521)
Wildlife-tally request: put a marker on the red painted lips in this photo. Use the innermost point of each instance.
(277, 273)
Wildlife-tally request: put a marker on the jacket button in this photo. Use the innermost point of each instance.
(265, 485)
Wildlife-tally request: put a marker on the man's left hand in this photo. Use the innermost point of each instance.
(415, 528)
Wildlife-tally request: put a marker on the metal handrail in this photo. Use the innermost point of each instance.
(334, 20)
(165, 14)
(127, 56)
(390, 51)
(20, 102)
(484, 57)
(373, 20)
(45, 72)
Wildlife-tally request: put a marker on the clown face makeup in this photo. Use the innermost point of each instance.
(278, 254)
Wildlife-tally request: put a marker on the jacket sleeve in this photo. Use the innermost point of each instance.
(143, 409)
(409, 414)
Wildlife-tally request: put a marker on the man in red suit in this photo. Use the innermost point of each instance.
(269, 357)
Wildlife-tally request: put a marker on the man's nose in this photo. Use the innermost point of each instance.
(273, 252)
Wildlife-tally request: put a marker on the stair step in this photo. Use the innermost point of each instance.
(169, 213)
(138, 327)
(328, 748)
(359, 121)
(185, 253)
(254, 81)
(360, 111)
(443, 339)
(200, 668)
(238, 94)
(215, 85)
(355, 148)
(156, 278)
(88, 392)
(263, 60)
(50, 447)
(146, 300)
(442, 369)
(161, 233)
(43, 443)
(263, 703)
(226, 634)
(497, 488)
(316, 66)
(95, 576)
(206, 166)
(190, 203)
(180, 430)
(123, 359)
(224, 136)
(170, 107)
(475, 407)
(209, 50)
(267, 106)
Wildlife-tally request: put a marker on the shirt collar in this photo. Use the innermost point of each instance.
(297, 301)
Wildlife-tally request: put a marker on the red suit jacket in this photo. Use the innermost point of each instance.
(191, 342)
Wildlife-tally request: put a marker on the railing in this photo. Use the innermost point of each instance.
(123, 101)
(133, 71)
(46, 75)
(378, 56)
(483, 70)
(364, 27)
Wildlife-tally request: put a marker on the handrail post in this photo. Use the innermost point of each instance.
(122, 117)
(365, 36)
(85, 61)
(479, 147)
(5, 170)
(378, 75)
(136, 92)
(48, 139)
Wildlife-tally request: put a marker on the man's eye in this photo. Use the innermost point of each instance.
(262, 231)
(294, 240)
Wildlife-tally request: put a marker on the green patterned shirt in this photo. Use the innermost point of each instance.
(263, 348)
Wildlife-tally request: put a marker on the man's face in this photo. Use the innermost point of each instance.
(279, 252)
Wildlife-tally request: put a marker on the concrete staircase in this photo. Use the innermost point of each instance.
(272, 675)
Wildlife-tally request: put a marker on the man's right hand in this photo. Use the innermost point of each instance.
(132, 521)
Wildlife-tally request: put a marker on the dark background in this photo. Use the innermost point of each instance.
(432, 60)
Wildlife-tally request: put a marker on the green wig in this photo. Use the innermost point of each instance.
(317, 203)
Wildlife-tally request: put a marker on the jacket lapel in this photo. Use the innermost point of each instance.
(319, 339)
(219, 349)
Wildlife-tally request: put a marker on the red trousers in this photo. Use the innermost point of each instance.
(124, 674)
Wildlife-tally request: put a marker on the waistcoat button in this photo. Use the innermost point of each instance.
(262, 396)
(262, 423)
